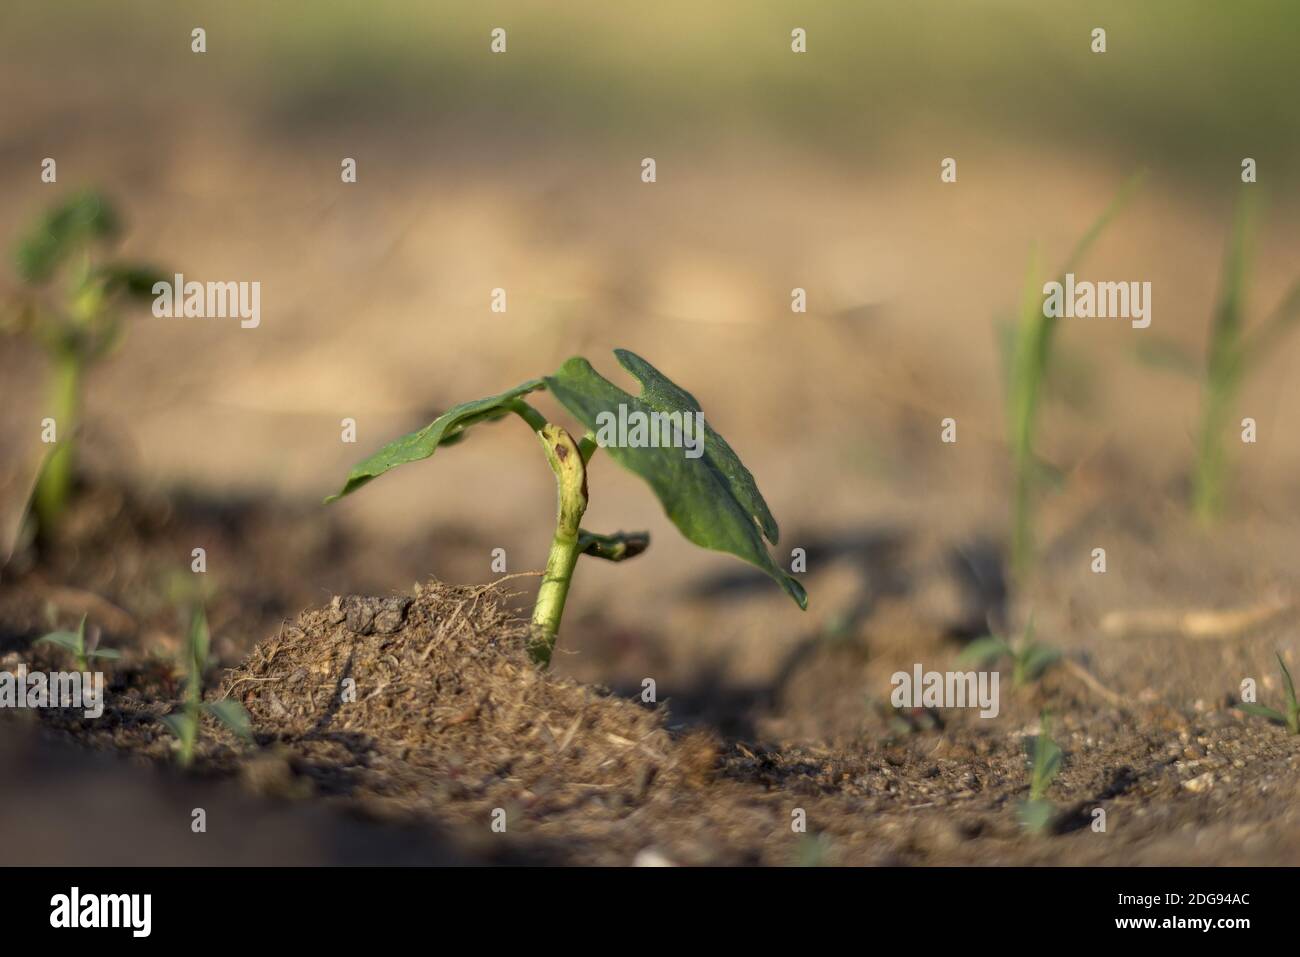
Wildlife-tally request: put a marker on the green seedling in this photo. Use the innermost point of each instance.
(1029, 658)
(1027, 349)
(1037, 813)
(184, 724)
(84, 650)
(1291, 717)
(1231, 353)
(71, 306)
(1230, 356)
(705, 490)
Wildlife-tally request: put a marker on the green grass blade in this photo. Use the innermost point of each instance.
(1289, 685)
(1031, 360)
(1259, 711)
(1224, 367)
(178, 724)
(1279, 323)
(983, 651)
(232, 714)
(69, 641)
(1036, 815)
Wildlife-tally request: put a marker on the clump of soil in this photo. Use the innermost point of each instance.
(409, 703)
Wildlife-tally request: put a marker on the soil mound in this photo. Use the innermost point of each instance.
(407, 701)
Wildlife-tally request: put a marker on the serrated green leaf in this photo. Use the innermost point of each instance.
(984, 650)
(441, 431)
(178, 724)
(1259, 711)
(232, 714)
(60, 232)
(713, 499)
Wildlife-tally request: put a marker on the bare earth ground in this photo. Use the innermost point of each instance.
(450, 723)
(226, 438)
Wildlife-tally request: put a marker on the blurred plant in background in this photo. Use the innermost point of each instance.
(71, 307)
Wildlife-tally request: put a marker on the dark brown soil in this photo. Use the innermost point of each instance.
(424, 713)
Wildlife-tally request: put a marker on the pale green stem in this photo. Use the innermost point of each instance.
(55, 483)
(567, 463)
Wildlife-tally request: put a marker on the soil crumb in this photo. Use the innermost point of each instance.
(411, 703)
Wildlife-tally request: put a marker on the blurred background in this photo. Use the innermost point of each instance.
(775, 170)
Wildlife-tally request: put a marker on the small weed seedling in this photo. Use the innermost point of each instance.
(76, 644)
(1037, 813)
(185, 723)
(1291, 717)
(1029, 658)
(708, 494)
(70, 306)
(1027, 349)
(1230, 355)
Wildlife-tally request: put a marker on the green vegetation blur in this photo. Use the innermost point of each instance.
(1184, 84)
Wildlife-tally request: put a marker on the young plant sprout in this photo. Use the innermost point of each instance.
(1037, 813)
(1029, 659)
(76, 644)
(184, 724)
(705, 490)
(1231, 354)
(70, 306)
(1290, 717)
(1028, 352)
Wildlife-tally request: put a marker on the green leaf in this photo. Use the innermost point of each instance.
(1259, 711)
(232, 714)
(713, 499)
(108, 654)
(1036, 659)
(1046, 760)
(1280, 323)
(441, 431)
(1291, 706)
(984, 650)
(1036, 815)
(134, 280)
(178, 724)
(198, 642)
(69, 641)
(1225, 332)
(83, 217)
